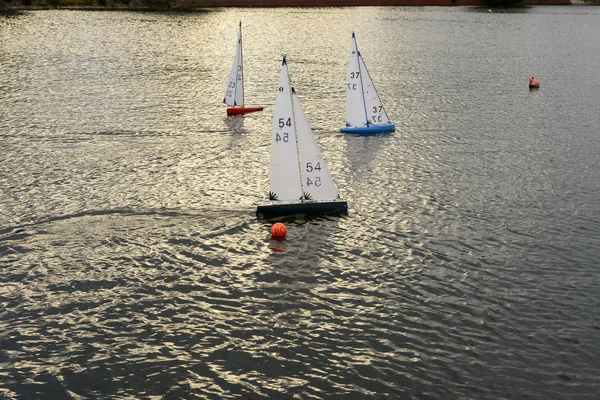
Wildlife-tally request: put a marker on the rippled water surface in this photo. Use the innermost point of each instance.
(132, 264)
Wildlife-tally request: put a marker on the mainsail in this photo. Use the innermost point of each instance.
(285, 181)
(234, 93)
(355, 105)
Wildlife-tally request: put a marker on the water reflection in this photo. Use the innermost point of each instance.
(133, 261)
(502, 10)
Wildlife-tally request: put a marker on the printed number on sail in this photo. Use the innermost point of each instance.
(278, 137)
(287, 123)
(309, 167)
(317, 181)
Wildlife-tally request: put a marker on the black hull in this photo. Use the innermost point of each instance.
(316, 208)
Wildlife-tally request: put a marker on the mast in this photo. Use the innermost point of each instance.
(356, 114)
(362, 88)
(292, 91)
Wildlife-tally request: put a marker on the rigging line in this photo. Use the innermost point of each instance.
(292, 92)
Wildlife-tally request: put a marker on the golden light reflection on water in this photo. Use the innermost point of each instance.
(132, 258)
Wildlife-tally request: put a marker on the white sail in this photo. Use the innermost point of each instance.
(317, 183)
(376, 114)
(355, 104)
(285, 181)
(363, 106)
(234, 92)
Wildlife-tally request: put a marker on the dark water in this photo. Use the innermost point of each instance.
(132, 265)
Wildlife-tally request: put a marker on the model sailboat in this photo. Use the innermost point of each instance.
(300, 182)
(234, 93)
(364, 111)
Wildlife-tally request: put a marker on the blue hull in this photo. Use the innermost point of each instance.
(370, 129)
(310, 208)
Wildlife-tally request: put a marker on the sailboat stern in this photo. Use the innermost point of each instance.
(307, 208)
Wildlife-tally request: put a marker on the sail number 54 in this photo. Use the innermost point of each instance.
(317, 181)
(286, 123)
(310, 168)
(283, 136)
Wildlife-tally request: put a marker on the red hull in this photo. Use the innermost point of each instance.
(242, 110)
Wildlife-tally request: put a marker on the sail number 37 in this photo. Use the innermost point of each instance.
(353, 75)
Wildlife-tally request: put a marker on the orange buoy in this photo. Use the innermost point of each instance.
(534, 83)
(278, 230)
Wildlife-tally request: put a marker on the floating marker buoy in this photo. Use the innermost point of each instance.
(587, 12)
(533, 83)
(278, 230)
